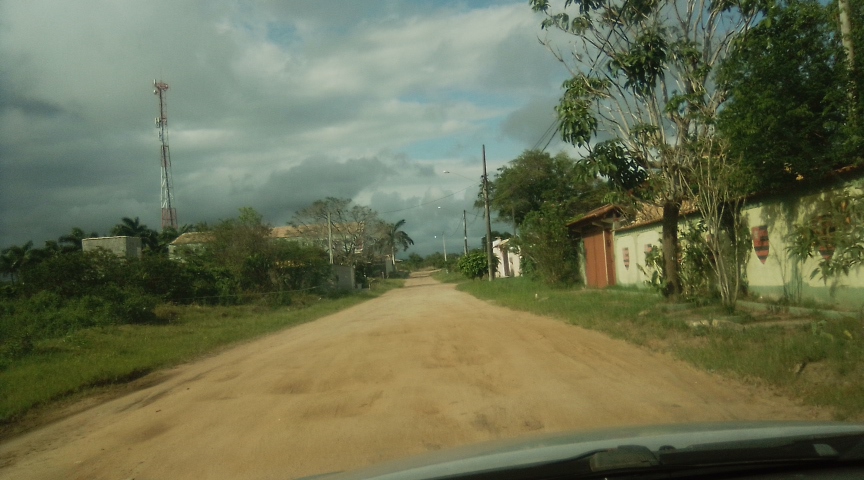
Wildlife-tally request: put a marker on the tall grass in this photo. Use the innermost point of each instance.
(103, 355)
(820, 362)
(610, 311)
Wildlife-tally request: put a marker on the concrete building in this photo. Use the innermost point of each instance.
(128, 247)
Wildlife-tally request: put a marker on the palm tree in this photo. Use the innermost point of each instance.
(397, 238)
(72, 242)
(130, 228)
(134, 228)
(14, 258)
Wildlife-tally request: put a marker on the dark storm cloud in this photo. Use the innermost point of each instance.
(28, 106)
(285, 191)
(531, 123)
(289, 190)
(271, 105)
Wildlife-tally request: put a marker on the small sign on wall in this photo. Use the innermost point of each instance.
(625, 255)
(760, 242)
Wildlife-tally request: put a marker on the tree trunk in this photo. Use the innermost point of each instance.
(671, 211)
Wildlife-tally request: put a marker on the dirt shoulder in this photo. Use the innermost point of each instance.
(420, 368)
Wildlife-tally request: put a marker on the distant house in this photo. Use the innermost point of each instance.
(126, 247)
(195, 240)
(190, 240)
(509, 262)
(290, 233)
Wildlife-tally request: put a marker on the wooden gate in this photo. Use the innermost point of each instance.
(599, 259)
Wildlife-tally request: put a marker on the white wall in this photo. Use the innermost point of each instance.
(634, 240)
(779, 276)
(514, 265)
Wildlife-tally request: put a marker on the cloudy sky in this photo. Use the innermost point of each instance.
(271, 105)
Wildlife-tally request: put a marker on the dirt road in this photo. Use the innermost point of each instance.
(420, 368)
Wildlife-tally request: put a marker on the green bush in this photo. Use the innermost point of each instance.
(299, 267)
(48, 314)
(129, 305)
(167, 279)
(549, 251)
(474, 265)
(77, 274)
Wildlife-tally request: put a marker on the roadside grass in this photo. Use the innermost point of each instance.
(89, 359)
(819, 361)
(449, 276)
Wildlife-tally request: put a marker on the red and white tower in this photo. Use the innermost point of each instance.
(169, 212)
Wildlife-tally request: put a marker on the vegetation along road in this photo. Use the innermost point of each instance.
(420, 368)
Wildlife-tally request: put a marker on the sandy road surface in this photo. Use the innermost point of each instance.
(420, 368)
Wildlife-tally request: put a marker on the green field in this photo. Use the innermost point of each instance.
(87, 360)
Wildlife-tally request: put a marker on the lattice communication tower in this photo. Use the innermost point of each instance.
(169, 212)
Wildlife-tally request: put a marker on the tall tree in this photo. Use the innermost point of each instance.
(642, 74)
(129, 227)
(15, 258)
(787, 116)
(545, 243)
(73, 241)
(354, 228)
(243, 246)
(394, 238)
(534, 178)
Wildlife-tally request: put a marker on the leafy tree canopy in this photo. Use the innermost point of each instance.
(358, 233)
(534, 178)
(788, 114)
(550, 253)
(129, 227)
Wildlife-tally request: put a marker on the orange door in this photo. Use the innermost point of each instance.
(599, 262)
(609, 245)
(595, 271)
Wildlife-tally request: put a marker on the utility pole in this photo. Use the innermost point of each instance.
(330, 237)
(488, 220)
(465, 228)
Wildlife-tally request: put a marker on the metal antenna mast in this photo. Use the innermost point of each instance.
(169, 212)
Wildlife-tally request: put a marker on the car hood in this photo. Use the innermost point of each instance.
(501, 455)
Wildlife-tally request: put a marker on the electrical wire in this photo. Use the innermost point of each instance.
(552, 136)
(553, 128)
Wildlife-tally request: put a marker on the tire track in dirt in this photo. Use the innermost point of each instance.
(417, 369)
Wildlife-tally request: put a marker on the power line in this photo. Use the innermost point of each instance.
(552, 136)
(551, 131)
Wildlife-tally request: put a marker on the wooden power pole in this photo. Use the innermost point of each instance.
(465, 229)
(488, 220)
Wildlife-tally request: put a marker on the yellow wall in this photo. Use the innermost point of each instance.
(780, 275)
